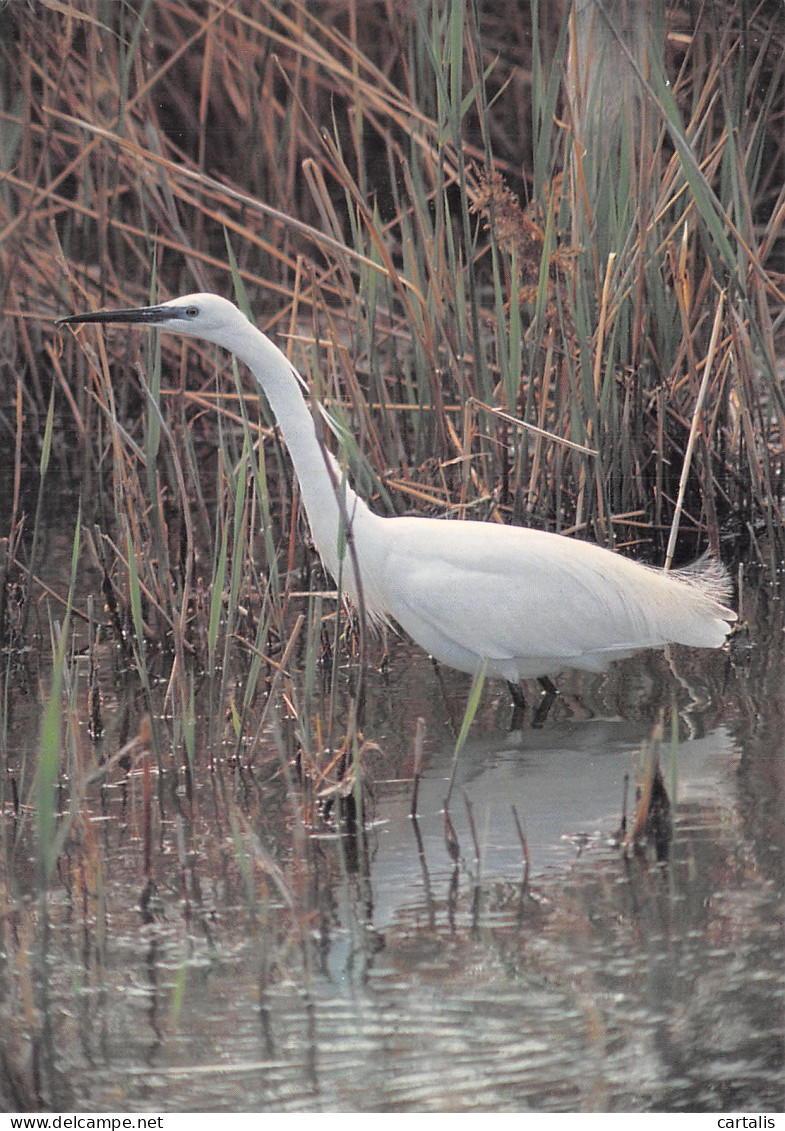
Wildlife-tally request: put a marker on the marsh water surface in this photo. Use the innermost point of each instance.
(225, 941)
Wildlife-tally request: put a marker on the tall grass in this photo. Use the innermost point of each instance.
(355, 214)
(506, 307)
(513, 308)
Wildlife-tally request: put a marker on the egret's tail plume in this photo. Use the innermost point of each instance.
(709, 576)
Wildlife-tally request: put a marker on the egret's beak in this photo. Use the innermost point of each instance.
(146, 315)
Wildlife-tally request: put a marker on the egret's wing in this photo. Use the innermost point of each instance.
(506, 597)
(505, 592)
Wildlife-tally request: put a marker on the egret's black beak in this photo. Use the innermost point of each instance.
(146, 315)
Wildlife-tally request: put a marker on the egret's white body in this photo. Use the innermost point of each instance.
(517, 603)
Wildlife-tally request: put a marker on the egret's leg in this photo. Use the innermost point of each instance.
(548, 686)
(518, 705)
(549, 693)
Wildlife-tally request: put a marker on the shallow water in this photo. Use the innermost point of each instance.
(256, 964)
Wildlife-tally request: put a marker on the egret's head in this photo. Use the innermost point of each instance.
(198, 316)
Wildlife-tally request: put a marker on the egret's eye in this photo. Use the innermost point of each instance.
(191, 311)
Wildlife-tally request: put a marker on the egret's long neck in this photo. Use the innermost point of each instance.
(282, 388)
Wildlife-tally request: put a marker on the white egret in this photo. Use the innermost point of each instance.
(518, 603)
